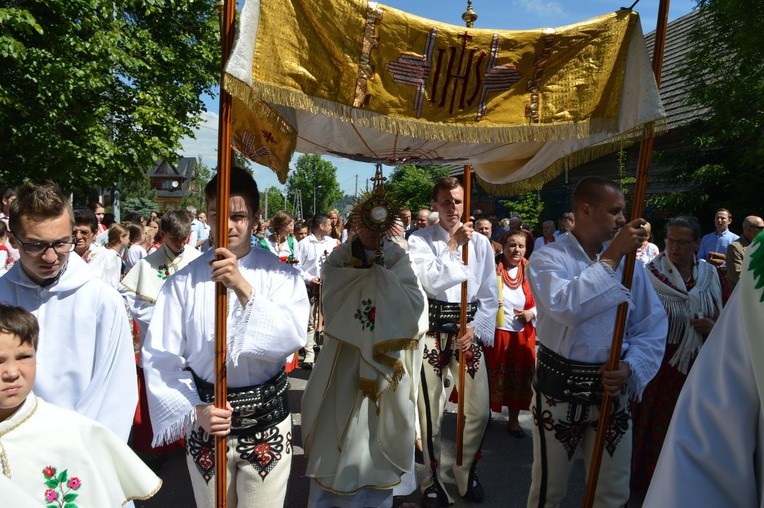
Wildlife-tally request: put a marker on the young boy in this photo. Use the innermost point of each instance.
(56, 455)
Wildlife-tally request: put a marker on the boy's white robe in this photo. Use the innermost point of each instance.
(40, 435)
(85, 358)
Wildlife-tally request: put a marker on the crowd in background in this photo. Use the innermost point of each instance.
(693, 277)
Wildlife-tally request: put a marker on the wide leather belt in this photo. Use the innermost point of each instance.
(444, 316)
(567, 380)
(255, 408)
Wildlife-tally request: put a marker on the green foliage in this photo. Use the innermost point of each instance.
(725, 77)
(196, 197)
(411, 186)
(14, 20)
(626, 182)
(312, 174)
(241, 161)
(142, 205)
(275, 200)
(106, 89)
(529, 206)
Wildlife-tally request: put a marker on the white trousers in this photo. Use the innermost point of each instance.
(258, 467)
(440, 357)
(310, 354)
(559, 430)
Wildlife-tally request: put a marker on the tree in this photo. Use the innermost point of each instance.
(412, 185)
(105, 90)
(725, 76)
(14, 20)
(315, 178)
(141, 205)
(529, 206)
(275, 200)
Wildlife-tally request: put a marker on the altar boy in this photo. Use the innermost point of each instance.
(56, 455)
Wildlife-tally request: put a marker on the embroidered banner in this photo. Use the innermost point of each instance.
(362, 80)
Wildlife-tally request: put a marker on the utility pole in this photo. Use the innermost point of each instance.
(356, 186)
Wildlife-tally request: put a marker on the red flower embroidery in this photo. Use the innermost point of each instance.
(366, 314)
(60, 489)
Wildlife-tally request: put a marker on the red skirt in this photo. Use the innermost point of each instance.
(511, 363)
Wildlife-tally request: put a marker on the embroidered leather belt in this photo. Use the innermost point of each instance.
(567, 380)
(255, 408)
(444, 316)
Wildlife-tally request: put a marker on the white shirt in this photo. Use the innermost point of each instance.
(441, 273)
(514, 299)
(647, 253)
(106, 265)
(540, 242)
(85, 358)
(181, 335)
(311, 253)
(135, 253)
(577, 299)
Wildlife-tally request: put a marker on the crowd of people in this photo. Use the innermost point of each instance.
(110, 328)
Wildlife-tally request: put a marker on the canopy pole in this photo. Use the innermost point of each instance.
(637, 210)
(469, 16)
(227, 11)
(463, 325)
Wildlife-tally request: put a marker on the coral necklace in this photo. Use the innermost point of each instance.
(512, 282)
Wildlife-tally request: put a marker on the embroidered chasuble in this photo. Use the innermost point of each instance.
(358, 407)
(142, 284)
(368, 82)
(57, 457)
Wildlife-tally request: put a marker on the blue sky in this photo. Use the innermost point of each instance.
(503, 14)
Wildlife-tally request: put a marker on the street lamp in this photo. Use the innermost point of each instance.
(315, 191)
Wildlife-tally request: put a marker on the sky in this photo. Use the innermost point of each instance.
(501, 14)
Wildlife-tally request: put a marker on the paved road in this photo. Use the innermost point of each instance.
(505, 469)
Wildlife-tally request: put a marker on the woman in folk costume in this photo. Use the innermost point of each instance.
(358, 409)
(512, 358)
(282, 243)
(690, 291)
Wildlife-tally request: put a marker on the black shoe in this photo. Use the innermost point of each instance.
(474, 488)
(307, 366)
(434, 497)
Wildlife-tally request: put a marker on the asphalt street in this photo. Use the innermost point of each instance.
(505, 469)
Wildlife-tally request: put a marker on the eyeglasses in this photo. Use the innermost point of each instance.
(678, 243)
(40, 248)
(758, 228)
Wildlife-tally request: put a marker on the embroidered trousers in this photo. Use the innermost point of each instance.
(440, 357)
(258, 467)
(559, 430)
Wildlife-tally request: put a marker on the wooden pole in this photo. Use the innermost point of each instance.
(463, 325)
(225, 156)
(637, 210)
(469, 16)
